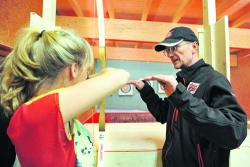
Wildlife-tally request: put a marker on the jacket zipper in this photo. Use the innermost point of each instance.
(167, 150)
(200, 160)
(174, 119)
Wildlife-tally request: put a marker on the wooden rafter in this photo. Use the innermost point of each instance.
(182, 10)
(147, 55)
(146, 9)
(116, 44)
(76, 7)
(136, 45)
(144, 31)
(111, 11)
(224, 7)
(241, 20)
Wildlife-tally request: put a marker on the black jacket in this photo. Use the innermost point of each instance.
(204, 119)
(7, 149)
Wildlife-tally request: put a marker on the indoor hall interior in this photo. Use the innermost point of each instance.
(131, 29)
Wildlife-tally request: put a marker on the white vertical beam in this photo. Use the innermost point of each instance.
(209, 12)
(201, 43)
(209, 18)
(49, 13)
(216, 39)
(48, 19)
(221, 57)
(36, 21)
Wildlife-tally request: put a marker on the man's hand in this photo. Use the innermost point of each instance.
(168, 82)
(137, 83)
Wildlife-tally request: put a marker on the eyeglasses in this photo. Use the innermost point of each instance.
(173, 48)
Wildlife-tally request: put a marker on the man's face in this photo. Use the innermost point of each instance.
(181, 55)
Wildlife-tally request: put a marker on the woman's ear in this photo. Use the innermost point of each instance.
(74, 70)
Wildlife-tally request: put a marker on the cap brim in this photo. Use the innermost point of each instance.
(167, 42)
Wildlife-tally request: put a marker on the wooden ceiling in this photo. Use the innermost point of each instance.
(133, 27)
(167, 11)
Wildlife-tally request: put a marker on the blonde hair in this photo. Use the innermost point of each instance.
(37, 59)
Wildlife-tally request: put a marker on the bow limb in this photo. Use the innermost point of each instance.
(102, 57)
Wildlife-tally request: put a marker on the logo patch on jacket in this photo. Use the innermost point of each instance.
(192, 87)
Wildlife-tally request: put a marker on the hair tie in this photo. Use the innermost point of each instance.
(41, 34)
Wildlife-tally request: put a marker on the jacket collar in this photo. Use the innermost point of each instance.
(188, 74)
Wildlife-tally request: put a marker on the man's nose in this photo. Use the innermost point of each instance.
(170, 54)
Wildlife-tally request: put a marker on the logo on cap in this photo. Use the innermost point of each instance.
(169, 34)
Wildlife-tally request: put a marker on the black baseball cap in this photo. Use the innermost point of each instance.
(176, 36)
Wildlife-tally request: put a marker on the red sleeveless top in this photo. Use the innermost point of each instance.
(38, 133)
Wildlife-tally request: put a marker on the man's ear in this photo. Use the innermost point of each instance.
(195, 47)
(74, 70)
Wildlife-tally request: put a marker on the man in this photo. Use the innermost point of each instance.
(204, 119)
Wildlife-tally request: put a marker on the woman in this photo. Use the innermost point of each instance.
(45, 85)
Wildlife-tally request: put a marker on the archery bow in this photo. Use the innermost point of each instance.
(102, 57)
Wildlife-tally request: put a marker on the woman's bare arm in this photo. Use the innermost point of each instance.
(76, 99)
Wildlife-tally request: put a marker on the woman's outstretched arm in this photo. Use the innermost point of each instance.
(78, 98)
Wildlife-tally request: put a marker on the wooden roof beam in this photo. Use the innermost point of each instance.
(76, 7)
(146, 9)
(136, 45)
(110, 4)
(134, 30)
(118, 53)
(241, 20)
(116, 44)
(224, 7)
(182, 10)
